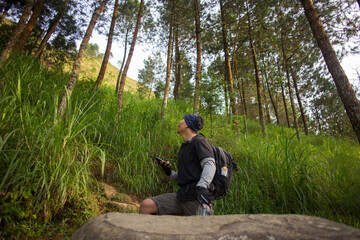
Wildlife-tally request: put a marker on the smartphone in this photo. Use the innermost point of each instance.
(160, 161)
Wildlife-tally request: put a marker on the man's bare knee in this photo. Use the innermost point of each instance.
(148, 206)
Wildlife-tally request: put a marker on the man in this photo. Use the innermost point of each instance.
(196, 169)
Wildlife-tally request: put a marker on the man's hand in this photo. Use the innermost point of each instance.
(205, 197)
(166, 166)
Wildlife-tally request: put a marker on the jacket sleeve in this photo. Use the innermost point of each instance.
(173, 175)
(208, 172)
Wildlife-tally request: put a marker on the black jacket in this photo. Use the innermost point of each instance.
(189, 169)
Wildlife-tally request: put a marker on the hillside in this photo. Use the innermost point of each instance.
(90, 68)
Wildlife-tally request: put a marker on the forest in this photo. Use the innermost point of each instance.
(265, 75)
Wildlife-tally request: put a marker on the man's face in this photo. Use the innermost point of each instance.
(182, 126)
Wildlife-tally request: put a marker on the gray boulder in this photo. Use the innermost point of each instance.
(111, 226)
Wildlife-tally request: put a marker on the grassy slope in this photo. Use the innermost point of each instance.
(90, 68)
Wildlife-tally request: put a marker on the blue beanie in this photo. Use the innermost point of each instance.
(194, 122)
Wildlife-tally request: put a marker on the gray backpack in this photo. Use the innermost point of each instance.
(225, 168)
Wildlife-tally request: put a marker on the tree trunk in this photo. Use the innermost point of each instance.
(168, 67)
(318, 118)
(198, 57)
(258, 86)
(223, 83)
(77, 64)
(266, 103)
(150, 89)
(38, 36)
(228, 72)
(122, 64)
(244, 105)
(17, 31)
(267, 111)
(270, 95)
(30, 25)
(123, 75)
(211, 125)
(226, 98)
(239, 103)
(108, 49)
(292, 104)
(297, 93)
(289, 86)
(283, 96)
(177, 87)
(347, 94)
(51, 29)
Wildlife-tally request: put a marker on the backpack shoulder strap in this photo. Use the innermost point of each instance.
(222, 155)
(202, 135)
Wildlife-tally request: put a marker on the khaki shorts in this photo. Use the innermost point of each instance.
(168, 205)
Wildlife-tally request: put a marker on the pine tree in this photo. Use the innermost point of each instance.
(168, 67)
(108, 49)
(347, 94)
(257, 76)
(30, 25)
(286, 65)
(128, 61)
(228, 70)
(17, 31)
(54, 23)
(77, 64)
(177, 64)
(198, 56)
(148, 76)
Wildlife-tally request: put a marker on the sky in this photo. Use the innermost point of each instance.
(137, 60)
(349, 63)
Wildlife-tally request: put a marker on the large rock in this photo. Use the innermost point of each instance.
(111, 226)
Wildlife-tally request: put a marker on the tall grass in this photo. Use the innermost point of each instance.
(50, 167)
(278, 174)
(132, 144)
(44, 160)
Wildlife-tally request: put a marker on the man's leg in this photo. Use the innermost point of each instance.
(164, 204)
(148, 206)
(189, 207)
